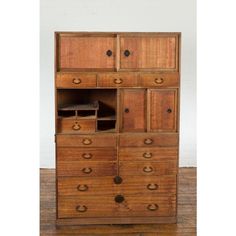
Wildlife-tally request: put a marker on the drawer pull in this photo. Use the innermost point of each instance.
(169, 110)
(76, 81)
(76, 126)
(147, 169)
(117, 180)
(152, 186)
(87, 155)
(148, 141)
(118, 81)
(126, 53)
(126, 110)
(152, 207)
(87, 170)
(87, 141)
(159, 80)
(147, 155)
(109, 53)
(82, 187)
(119, 198)
(81, 208)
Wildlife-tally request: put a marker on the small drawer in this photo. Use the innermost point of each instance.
(75, 80)
(159, 80)
(117, 80)
(148, 140)
(75, 126)
(86, 140)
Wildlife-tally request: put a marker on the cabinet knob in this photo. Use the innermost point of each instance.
(117, 180)
(76, 126)
(87, 141)
(126, 53)
(82, 208)
(159, 80)
(87, 155)
(109, 53)
(152, 186)
(118, 81)
(82, 187)
(147, 155)
(148, 141)
(169, 110)
(76, 81)
(152, 207)
(147, 169)
(87, 170)
(119, 198)
(126, 110)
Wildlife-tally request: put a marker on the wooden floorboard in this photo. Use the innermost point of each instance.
(186, 225)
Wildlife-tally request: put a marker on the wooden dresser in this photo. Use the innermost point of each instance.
(117, 127)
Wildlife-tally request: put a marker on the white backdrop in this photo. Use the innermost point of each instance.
(119, 15)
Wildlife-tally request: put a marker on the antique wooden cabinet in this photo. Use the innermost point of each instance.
(117, 127)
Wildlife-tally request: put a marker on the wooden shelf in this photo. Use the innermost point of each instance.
(92, 117)
(80, 107)
(107, 118)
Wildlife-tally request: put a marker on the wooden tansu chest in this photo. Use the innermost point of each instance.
(117, 127)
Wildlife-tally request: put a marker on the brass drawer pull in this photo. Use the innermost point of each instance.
(152, 186)
(152, 207)
(87, 141)
(87, 155)
(148, 141)
(87, 170)
(147, 155)
(76, 126)
(147, 169)
(118, 81)
(76, 81)
(82, 187)
(159, 80)
(82, 208)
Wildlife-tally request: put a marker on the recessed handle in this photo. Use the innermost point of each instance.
(87, 170)
(118, 81)
(152, 207)
(126, 52)
(87, 141)
(152, 186)
(109, 53)
(148, 141)
(119, 198)
(76, 81)
(147, 155)
(82, 187)
(87, 155)
(76, 126)
(82, 208)
(159, 80)
(147, 169)
(169, 110)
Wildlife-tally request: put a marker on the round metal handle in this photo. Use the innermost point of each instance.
(148, 141)
(87, 141)
(118, 81)
(109, 53)
(147, 155)
(147, 169)
(152, 186)
(159, 80)
(117, 180)
(87, 170)
(82, 187)
(76, 126)
(169, 110)
(76, 81)
(82, 208)
(126, 53)
(126, 110)
(87, 155)
(119, 198)
(152, 207)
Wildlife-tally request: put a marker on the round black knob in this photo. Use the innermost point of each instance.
(126, 53)
(169, 110)
(109, 53)
(119, 198)
(126, 110)
(117, 180)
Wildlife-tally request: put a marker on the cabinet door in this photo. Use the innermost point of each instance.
(133, 109)
(149, 52)
(83, 52)
(162, 109)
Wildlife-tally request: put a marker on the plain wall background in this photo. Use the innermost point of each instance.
(119, 15)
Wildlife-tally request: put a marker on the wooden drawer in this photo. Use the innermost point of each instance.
(106, 206)
(89, 168)
(75, 126)
(90, 186)
(86, 140)
(159, 80)
(152, 154)
(148, 139)
(147, 168)
(117, 80)
(85, 154)
(75, 80)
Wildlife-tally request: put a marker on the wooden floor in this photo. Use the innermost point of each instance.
(186, 225)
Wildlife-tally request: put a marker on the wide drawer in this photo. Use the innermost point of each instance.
(148, 153)
(75, 80)
(86, 140)
(90, 186)
(147, 168)
(150, 140)
(83, 154)
(117, 80)
(105, 206)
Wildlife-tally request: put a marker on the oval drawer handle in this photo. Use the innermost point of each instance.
(109, 53)
(118, 81)
(169, 110)
(82, 208)
(87, 155)
(126, 52)
(82, 187)
(147, 169)
(87, 170)
(148, 141)
(76, 126)
(152, 186)
(76, 81)
(152, 207)
(159, 80)
(87, 141)
(147, 155)
(119, 198)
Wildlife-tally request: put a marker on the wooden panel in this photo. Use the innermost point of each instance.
(106, 206)
(150, 52)
(101, 140)
(162, 109)
(147, 168)
(89, 168)
(148, 153)
(87, 52)
(148, 139)
(83, 154)
(75, 80)
(133, 110)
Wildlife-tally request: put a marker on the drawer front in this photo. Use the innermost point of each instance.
(90, 186)
(147, 168)
(106, 206)
(89, 168)
(86, 140)
(75, 80)
(148, 154)
(75, 126)
(148, 140)
(117, 80)
(86, 154)
(159, 80)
